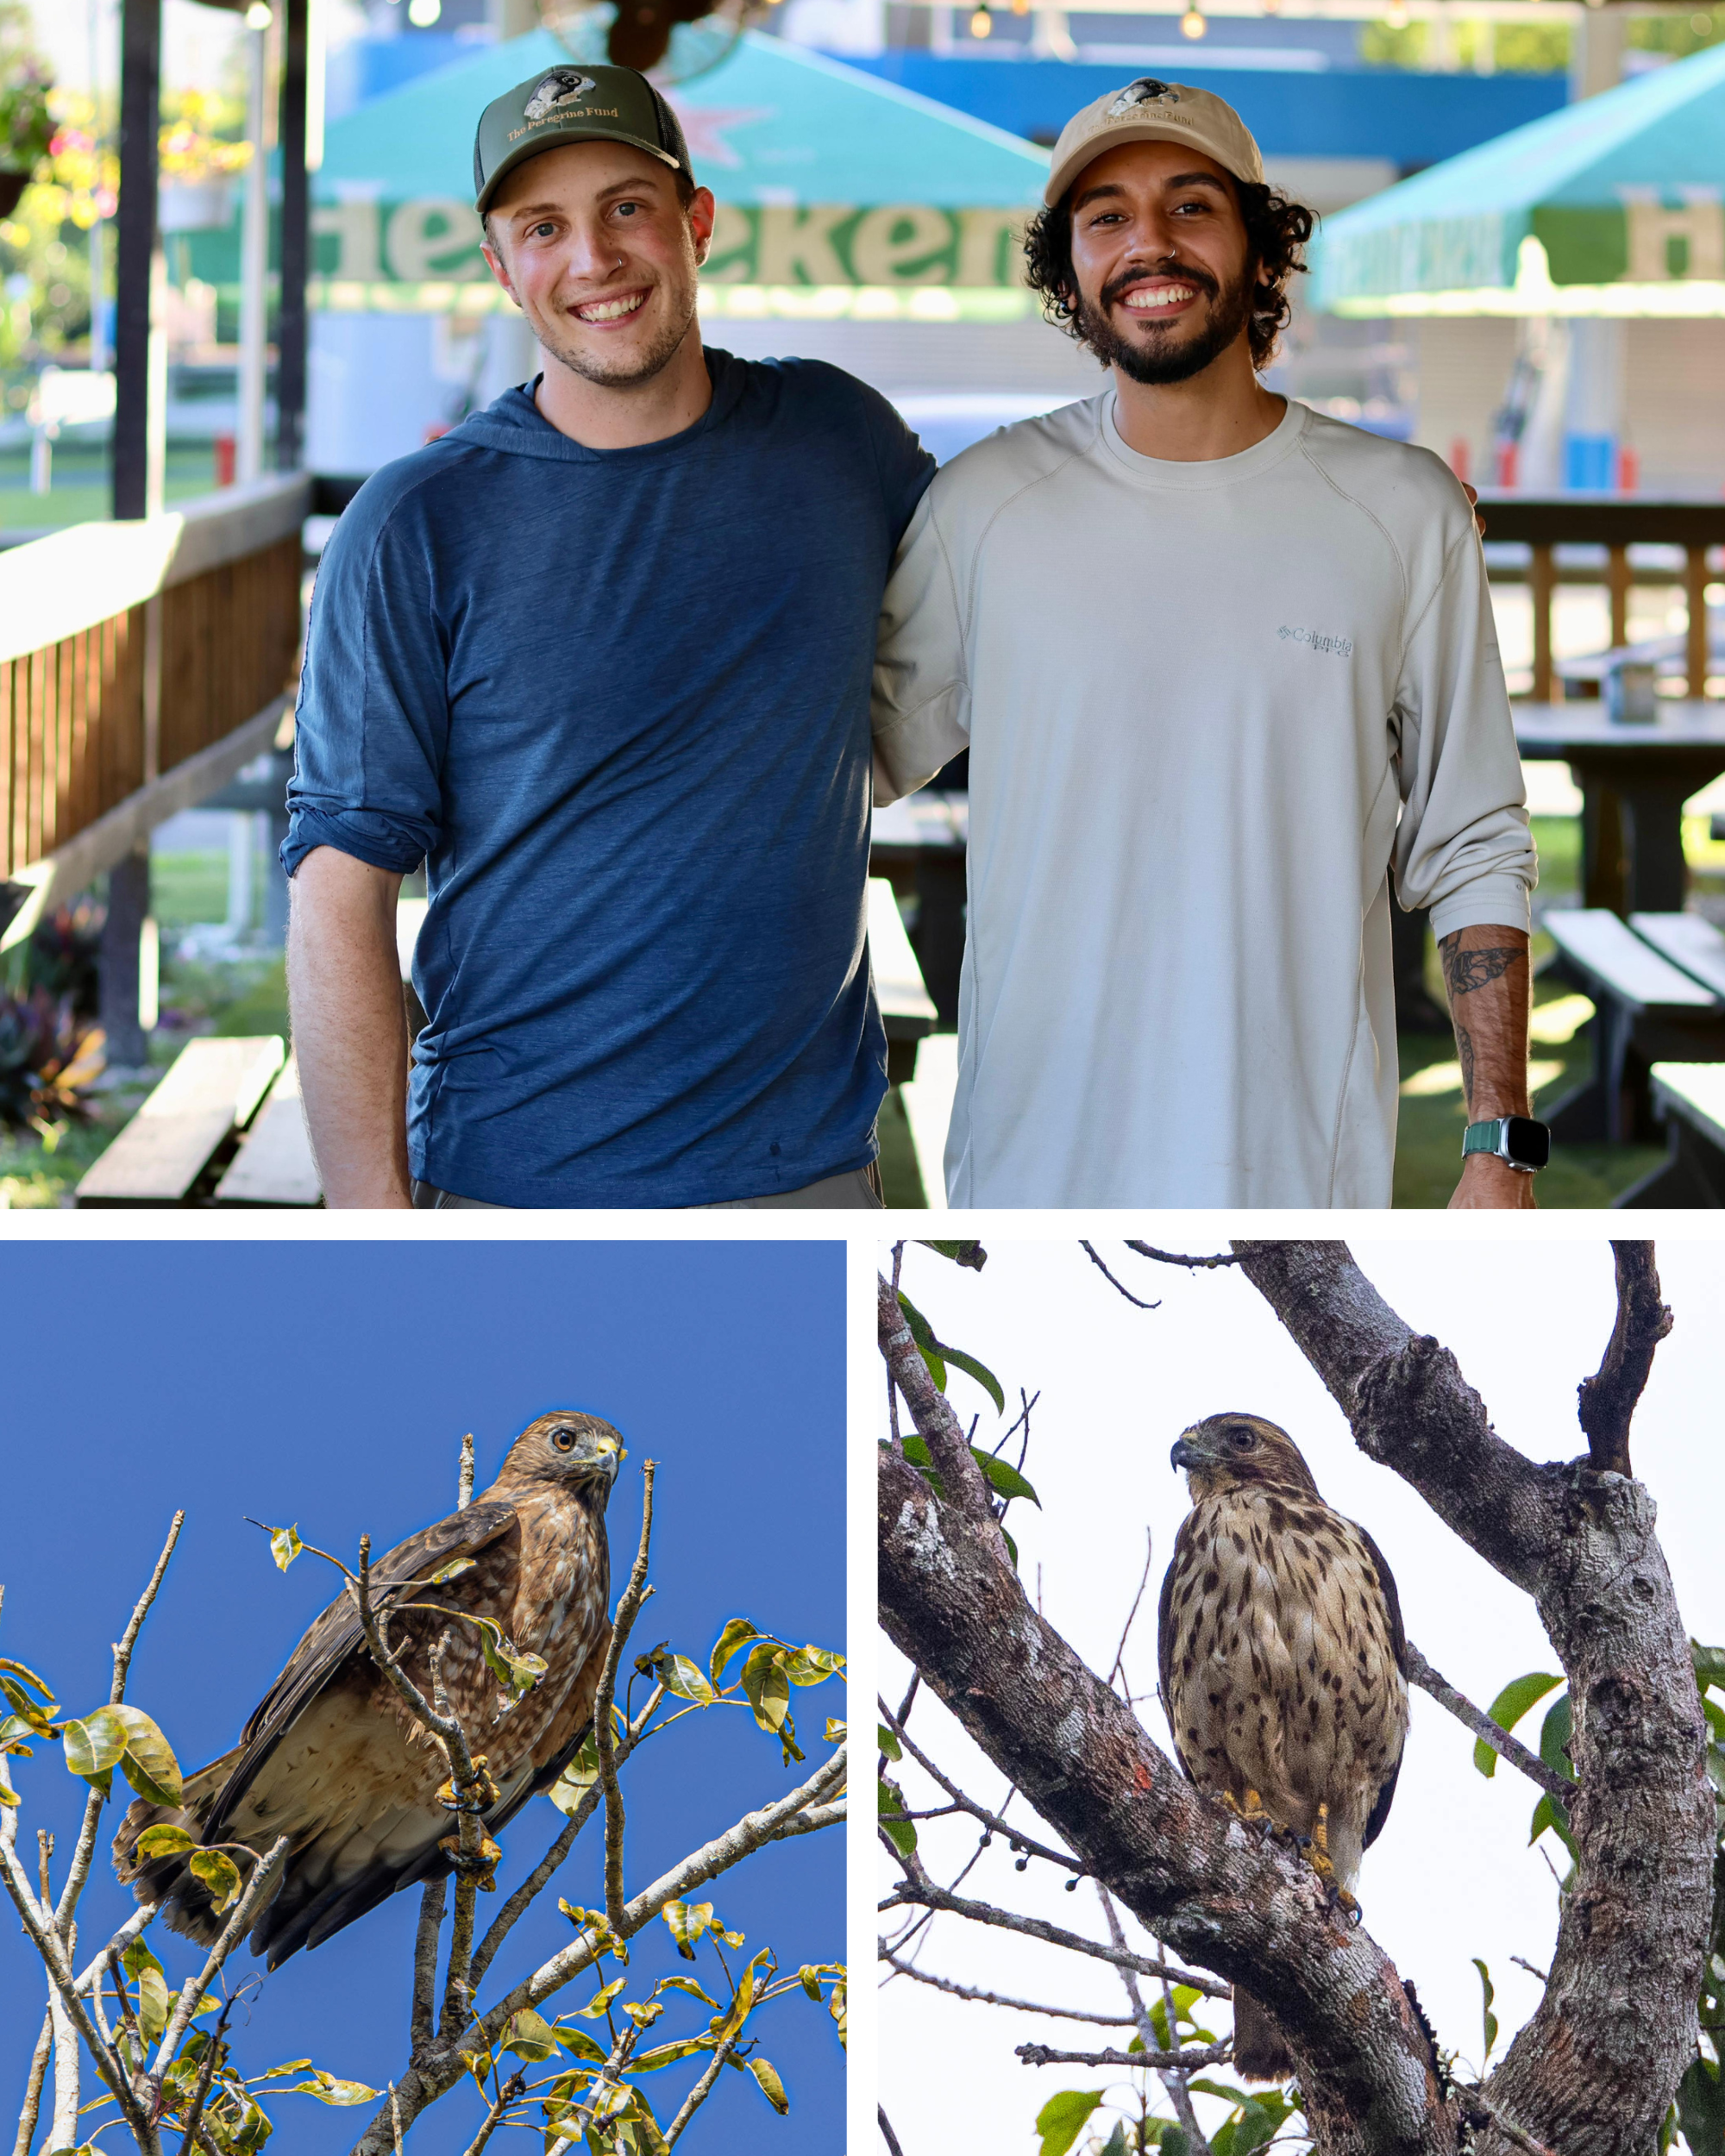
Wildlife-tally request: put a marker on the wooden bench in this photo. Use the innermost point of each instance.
(174, 1148)
(906, 1007)
(1689, 1098)
(1648, 1008)
(274, 1166)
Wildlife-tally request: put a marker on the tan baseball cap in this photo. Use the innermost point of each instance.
(1151, 112)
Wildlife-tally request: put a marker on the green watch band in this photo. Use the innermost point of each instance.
(1519, 1140)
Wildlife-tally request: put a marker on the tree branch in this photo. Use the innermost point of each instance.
(942, 1431)
(1421, 1672)
(604, 1736)
(1089, 1250)
(992, 1821)
(994, 1998)
(702, 2090)
(1608, 1398)
(1176, 2061)
(246, 1911)
(1175, 2084)
(32, 2089)
(425, 1940)
(1176, 1258)
(887, 2134)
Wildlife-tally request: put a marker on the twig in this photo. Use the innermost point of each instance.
(1485, 2113)
(1530, 1969)
(1175, 1258)
(605, 1737)
(1182, 2061)
(886, 2132)
(1179, 2095)
(1421, 1672)
(32, 2089)
(961, 1479)
(993, 1998)
(924, 1894)
(212, 2050)
(702, 2090)
(505, 2095)
(138, 1921)
(1118, 1669)
(425, 1940)
(395, 2117)
(992, 1821)
(1606, 1401)
(192, 1991)
(1089, 1250)
(464, 1481)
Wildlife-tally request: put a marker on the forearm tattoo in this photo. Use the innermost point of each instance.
(1466, 970)
(1464, 1054)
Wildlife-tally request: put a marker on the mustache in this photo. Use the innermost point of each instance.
(1170, 266)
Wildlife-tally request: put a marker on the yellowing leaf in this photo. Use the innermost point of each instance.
(167, 1841)
(530, 2036)
(149, 1764)
(686, 1921)
(95, 1744)
(685, 1984)
(771, 2087)
(284, 1545)
(576, 1779)
(18, 1668)
(453, 1570)
(765, 1686)
(328, 2090)
(679, 1674)
(735, 1633)
(517, 1672)
(596, 2005)
(219, 1873)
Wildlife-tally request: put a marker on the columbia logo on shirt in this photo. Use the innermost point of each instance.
(1341, 647)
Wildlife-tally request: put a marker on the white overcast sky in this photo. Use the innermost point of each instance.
(1452, 1876)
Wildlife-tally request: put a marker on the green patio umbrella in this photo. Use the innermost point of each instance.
(838, 194)
(1614, 207)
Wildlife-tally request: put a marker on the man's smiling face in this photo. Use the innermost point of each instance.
(592, 244)
(1160, 255)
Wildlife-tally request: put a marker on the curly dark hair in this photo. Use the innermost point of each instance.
(1276, 231)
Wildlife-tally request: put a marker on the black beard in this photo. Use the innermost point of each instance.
(1163, 361)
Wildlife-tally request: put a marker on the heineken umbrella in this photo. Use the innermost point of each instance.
(1615, 206)
(838, 194)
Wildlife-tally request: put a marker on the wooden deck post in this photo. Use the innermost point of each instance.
(128, 905)
(1617, 582)
(1695, 587)
(135, 223)
(1541, 584)
(296, 230)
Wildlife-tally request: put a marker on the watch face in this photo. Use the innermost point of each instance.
(1527, 1143)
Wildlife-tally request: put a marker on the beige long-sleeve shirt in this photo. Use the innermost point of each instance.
(1207, 705)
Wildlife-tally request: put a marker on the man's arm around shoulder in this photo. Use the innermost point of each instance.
(350, 1026)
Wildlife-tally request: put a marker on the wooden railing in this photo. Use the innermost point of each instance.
(1543, 526)
(142, 664)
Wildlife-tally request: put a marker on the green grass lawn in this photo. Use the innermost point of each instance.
(80, 492)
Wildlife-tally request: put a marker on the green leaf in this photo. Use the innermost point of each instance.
(685, 1984)
(1506, 1709)
(164, 1841)
(577, 1779)
(141, 1964)
(916, 1450)
(517, 1672)
(679, 1674)
(18, 1669)
(1545, 1814)
(1063, 2118)
(1003, 1477)
(735, 1633)
(889, 1742)
(1253, 2127)
(902, 1833)
(1012, 1548)
(452, 1570)
(219, 1873)
(530, 2037)
(835, 1730)
(812, 1665)
(969, 1254)
(927, 1346)
(764, 1685)
(328, 2090)
(771, 2087)
(580, 2044)
(96, 1743)
(1710, 1664)
(662, 2055)
(149, 1764)
(984, 1376)
(1116, 2143)
(284, 1545)
(1490, 2019)
(687, 1920)
(1555, 1733)
(17, 1735)
(601, 1999)
(8, 1793)
(25, 1707)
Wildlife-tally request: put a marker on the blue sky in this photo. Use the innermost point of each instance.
(330, 1385)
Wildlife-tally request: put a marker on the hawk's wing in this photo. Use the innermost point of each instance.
(1164, 1636)
(334, 1635)
(1398, 1641)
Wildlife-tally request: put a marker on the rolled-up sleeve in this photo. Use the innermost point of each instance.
(1463, 847)
(921, 703)
(372, 723)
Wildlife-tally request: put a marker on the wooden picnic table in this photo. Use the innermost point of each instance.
(1634, 778)
(919, 844)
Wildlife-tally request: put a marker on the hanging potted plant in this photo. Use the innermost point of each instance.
(26, 127)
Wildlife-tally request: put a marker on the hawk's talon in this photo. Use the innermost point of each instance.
(1252, 1812)
(480, 1867)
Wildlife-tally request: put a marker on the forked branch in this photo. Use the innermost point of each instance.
(1608, 1399)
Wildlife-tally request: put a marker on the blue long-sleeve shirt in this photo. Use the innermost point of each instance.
(618, 700)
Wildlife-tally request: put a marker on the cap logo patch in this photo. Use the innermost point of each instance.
(562, 86)
(1147, 91)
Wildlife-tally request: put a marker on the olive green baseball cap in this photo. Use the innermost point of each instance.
(573, 105)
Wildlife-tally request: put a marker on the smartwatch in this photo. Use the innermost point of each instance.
(1516, 1138)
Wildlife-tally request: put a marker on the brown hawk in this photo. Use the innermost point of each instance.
(334, 1758)
(1283, 1664)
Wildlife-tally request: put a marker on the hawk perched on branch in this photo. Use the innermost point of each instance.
(334, 1758)
(1283, 1664)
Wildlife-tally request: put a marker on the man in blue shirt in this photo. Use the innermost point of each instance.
(601, 657)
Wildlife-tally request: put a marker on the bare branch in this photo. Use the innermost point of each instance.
(604, 1736)
(1608, 1398)
(994, 1998)
(1118, 1669)
(1421, 1672)
(247, 1909)
(817, 1818)
(992, 1821)
(1089, 1250)
(505, 2095)
(1178, 2061)
(32, 2089)
(942, 1431)
(138, 1921)
(1175, 1258)
(702, 2090)
(886, 2132)
(425, 1939)
(1179, 2095)
(194, 2117)
(924, 1894)
(464, 1480)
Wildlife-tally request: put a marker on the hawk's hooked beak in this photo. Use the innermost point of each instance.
(612, 1454)
(1182, 1455)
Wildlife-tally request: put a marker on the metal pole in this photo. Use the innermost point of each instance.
(140, 82)
(98, 279)
(254, 275)
(290, 329)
